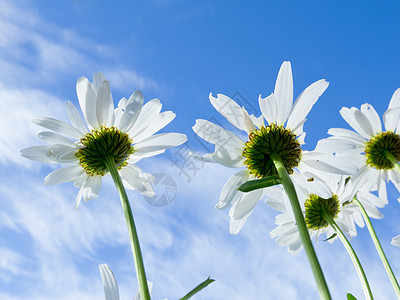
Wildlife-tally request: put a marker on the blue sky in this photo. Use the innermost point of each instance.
(179, 52)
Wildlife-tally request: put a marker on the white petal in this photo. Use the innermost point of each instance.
(358, 121)
(46, 154)
(132, 111)
(229, 109)
(246, 204)
(104, 104)
(284, 92)
(334, 145)
(217, 135)
(55, 138)
(391, 119)
(137, 180)
(87, 101)
(230, 194)
(39, 153)
(98, 79)
(373, 117)
(159, 122)
(160, 141)
(228, 157)
(109, 283)
(328, 163)
(305, 102)
(396, 241)
(58, 126)
(137, 156)
(149, 111)
(75, 118)
(269, 108)
(250, 127)
(347, 135)
(382, 187)
(395, 101)
(62, 175)
(91, 188)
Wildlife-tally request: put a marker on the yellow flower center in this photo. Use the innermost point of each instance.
(102, 143)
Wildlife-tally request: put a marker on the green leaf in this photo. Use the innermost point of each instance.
(331, 237)
(252, 185)
(197, 289)
(350, 297)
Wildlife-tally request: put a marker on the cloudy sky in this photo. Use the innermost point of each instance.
(179, 52)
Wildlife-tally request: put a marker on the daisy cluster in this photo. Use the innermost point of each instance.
(349, 163)
(336, 185)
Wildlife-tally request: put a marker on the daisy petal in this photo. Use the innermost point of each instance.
(229, 109)
(391, 119)
(87, 101)
(149, 111)
(137, 180)
(305, 102)
(62, 175)
(58, 126)
(46, 154)
(284, 92)
(55, 138)
(269, 108)
(228, 157)
(132, 111)
(357, 120)
(230, 194)
(334, 145)
(396, 241)
(159, 122)
(347, 135)
(160, 141)
(217, 135)
(109, 283)
(91, 188)
(98, 79)
(104, 104)
(373, 117)
(75, 118)
(395, 101)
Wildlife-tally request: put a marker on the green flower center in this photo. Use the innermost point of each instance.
(378, 146)
(265, 141)
(316, 207)
(102, 143)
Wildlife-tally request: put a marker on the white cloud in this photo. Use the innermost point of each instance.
(37, 53)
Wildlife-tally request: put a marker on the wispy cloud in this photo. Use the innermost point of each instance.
(37, 53)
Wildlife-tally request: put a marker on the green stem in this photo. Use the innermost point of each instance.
(302, 227)
(353, 256)
(379, 248)
(137, 253)
(393, 160)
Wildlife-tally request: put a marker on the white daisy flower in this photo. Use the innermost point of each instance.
(330, 193)
(369, 146)
(283, 134)
(124, 134)
(396, 241)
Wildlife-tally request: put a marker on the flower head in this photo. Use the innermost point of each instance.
(375, 152)
(282, 134)
(125, 135)
(320, 194)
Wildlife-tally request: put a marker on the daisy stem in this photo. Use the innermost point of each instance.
(352, 254)
(379, 248)
(302, 227)
(137, 253)
(393, 160)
